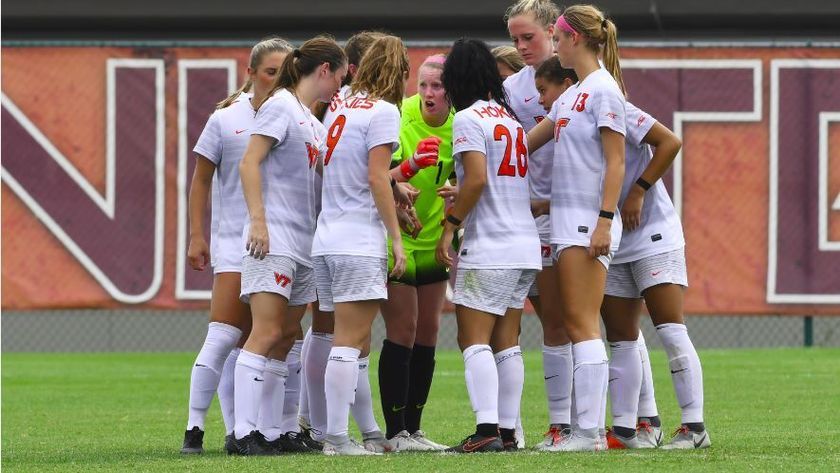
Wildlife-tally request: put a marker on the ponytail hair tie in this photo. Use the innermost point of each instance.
(296, 53)
(604, 23)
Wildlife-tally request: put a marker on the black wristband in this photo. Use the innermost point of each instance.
(454, 220)
(607, 215)
(393, 182)
(643, 183)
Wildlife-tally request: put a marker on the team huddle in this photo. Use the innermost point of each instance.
(525, 169)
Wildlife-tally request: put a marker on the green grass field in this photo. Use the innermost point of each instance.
(765, 410)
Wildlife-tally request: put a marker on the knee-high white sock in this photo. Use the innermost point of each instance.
(625, 382)
(647, 396)
(362, 408)
(511, 370)
(558, 367)
(316, 367)
(590, 382)
(291, 401)
(340, 379)
(225, 390)
(303, 407)
(270, 417)
(686, 371)
(247, 391)
(482, 383)
(207, 370)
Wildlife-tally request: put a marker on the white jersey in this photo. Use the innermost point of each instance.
(349, 223)
(288, 172)
(499, 232)
(579, 165)
(329, 117)
(223, 142)
(524, 99)
(660, 230)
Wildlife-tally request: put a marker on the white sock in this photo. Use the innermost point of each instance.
(362, 407)
(220, 340)
(686, 371)
(482, 383)
(225, 390)
(270, 417)
(647, 396)
(247, 391)
(558, 366)
(316, 367)
(625, 382)
(591, 373)
(340, 379)
(303, 407)
(511, 371)
(291, 401)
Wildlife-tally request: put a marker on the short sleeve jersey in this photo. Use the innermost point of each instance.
(579, 164)
(349, 222)
(499, 232)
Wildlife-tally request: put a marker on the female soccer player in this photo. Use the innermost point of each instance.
(218, 152)
(277, 174)
(499, 254)
(508, 60)
(358, 200)
(415, 299)
(588, 125)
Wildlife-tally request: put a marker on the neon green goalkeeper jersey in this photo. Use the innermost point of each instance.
(429, 207)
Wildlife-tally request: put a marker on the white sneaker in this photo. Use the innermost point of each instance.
(617, 442)
(579, 441)
(420, 438)
(552, 438)
(649, 434)
(345, 446)
(685, 439)
(376, 442)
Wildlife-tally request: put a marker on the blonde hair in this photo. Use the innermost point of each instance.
(599, 32)
(382, 70)
(509, 56)
(544, 11)
(258, 52)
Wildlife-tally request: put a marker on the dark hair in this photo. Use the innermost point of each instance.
(356, 47)
(470, 73)
(552, 71)
(304, 60)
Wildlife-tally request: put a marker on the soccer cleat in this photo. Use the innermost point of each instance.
(685, 439)
(602, 439)
(519, 434)
(376, 442)
(304, 425)
(344, 446)
(615, 441)
(230, 445)
(311, 442)
(478, 444)
(553, 437)
(255, 444)
(193, 441)
(419, 437)
(295, 442)
(648, 434)
(578, 441)
(510, 445)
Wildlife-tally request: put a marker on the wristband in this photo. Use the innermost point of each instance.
(454, 220)
(643, 183)
(607, 215)
(407, 170)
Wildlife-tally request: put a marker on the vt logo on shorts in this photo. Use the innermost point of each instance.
(281, 279)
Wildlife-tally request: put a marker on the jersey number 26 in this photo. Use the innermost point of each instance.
(502, 132)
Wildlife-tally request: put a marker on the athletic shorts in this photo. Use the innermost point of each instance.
(347, 278)
(603, 259)
(493, 290)
(278, 275)
(421, 268)
(630, 280)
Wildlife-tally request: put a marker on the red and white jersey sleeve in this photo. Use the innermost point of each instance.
(223, 142)
(349, 222)
(579, 164)
(660, 230)
(288, 186)
(499, 232)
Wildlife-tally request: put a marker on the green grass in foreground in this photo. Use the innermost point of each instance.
(765, 409)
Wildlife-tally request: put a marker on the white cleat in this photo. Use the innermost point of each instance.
(519, 435)
(376, 442)
(425, 444)
(552, 438)
(617, 442)
(685, 439)
(648, 434)
(579, 441)
(345, 446)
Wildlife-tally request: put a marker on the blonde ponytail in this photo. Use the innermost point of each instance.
(611, 62)
(601, 36)
(258, 52)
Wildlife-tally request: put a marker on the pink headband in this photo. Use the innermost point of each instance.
(565, 26)
(435, 59)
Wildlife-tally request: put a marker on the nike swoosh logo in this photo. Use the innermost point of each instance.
(471, 447)
(257, 379)
(702, 439)
(613, 379)
(529, 99)
(397, 409)
(679, 371)
(549, 377)
(654, 274)
(197, 365)
(239, 131)
(419, 406)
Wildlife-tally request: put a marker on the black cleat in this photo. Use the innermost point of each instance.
(510, 446)
(255, 444)
(193, 442)
(230, 445)
(306, 438)
(295, 442)
(478, 444)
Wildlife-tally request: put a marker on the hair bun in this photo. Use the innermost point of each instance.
(296, 52)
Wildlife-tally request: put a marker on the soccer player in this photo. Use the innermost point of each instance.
(415, 299)
(358, 200)
(218, 152)
(277, 173)
(587, 124)
(500, 251)
(508, 60)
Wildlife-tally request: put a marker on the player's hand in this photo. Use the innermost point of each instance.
(426, 155)
(540, 207)
(449, 193)
(198, 253)
(409, 223)
(399, 258)
(445, 242)
(257, 245)
(599, 244)
(631, 211)
(405, 195)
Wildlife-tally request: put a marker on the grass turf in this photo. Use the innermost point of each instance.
(766, 410)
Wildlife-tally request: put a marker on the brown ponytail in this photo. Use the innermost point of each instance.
(258, 52)
(382, 70)
(601, 36)
(304, 60)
